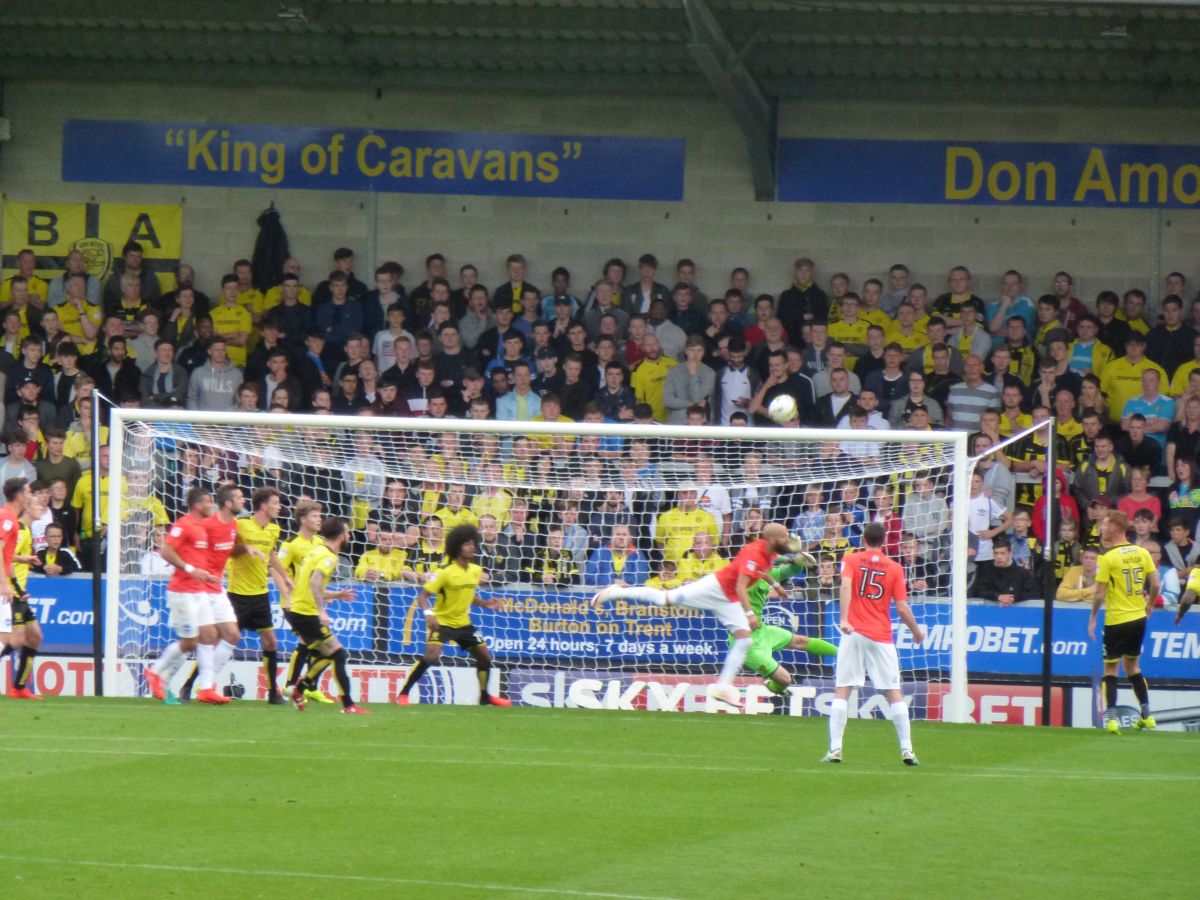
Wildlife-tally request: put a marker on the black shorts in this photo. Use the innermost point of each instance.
(22, 612)
(1124, 640)
(465, 636)
(253, 611)
(309, 629)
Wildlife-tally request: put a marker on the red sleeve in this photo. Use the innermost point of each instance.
(176, 535)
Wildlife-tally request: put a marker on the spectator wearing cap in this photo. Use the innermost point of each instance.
(1002, 580)
(1089, 529)
(560, 294)
(604, 304)
(1122, 378)
(29, 367)
(638, 296)
(1102, 475)
(29, 395)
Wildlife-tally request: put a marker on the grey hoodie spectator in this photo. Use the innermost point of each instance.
(212, 385)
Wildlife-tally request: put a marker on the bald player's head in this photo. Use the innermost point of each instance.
(776, 536)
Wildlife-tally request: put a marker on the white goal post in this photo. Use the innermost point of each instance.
(542, 627)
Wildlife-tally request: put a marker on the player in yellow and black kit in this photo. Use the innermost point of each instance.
(454, 586)
(308, 515)
(310, 621)
(1126, 584)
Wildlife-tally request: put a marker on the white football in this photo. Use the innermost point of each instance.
(783, 409)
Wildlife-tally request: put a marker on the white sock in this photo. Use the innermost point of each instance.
(221, 657)
(170, 661)
(899, 714)
(734, 659)
(839, 712)
(204, 666)
(651, 596)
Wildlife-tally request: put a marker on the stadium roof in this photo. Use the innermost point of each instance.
(751, 54)
(1019, 50)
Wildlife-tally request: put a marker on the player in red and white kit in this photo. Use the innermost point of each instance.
(221, 528)
(19, 629)
(185, 548)
(724, 593)
(871, 583)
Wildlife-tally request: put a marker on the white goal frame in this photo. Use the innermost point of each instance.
(956, 704)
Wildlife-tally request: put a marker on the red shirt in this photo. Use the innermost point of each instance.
(10, 529)
(189, 539)
(221, 538)
(753, 560)
(875, 581)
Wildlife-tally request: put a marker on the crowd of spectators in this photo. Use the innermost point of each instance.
(637, 344)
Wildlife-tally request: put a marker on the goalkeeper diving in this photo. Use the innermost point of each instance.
(767, 640)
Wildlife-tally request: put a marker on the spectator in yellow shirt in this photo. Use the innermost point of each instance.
(675, 530)
(232, 321)
(701, 560)
(383, 562)
(36, 288)
(648, 378)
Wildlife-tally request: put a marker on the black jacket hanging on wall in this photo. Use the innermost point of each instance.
(270, 250)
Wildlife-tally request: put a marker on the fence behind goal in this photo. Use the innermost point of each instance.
(556, 503)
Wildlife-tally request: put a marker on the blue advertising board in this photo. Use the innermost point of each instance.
(562, 625)
(987, 173)
(369, 159)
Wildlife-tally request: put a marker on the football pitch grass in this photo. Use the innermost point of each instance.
(126, 798)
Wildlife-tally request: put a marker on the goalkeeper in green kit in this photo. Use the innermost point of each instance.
(770, 638)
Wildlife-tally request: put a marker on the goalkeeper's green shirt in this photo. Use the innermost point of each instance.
(760, 589)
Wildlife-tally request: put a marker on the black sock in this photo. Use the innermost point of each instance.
(314, 671)
(296, 665)
(25, 666)
(482, 672)
(414, 675)
(186, 690)
(1142, 691)
(342, 674)
(1110, 691)
(6, 651)
(271, 667)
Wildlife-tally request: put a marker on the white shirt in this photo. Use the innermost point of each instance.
(153, 564)
(384, 347)
(714, 500)
(981, 511)
(734, 386)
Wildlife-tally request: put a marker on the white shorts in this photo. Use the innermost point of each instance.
(707, 594)
(222, 609)
(185, 610)
(860, 656)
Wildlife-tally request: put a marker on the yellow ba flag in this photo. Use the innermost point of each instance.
(98, 230)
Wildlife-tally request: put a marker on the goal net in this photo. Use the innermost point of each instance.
(563, 508)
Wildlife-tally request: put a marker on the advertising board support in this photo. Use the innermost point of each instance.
(97, 571)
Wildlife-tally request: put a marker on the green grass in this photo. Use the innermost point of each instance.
(124, 799)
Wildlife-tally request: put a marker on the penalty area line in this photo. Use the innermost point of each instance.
(326, 876)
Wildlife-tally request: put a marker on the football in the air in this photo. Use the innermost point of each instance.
(783, 409)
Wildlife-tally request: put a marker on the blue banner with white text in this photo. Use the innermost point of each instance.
(989, 173)
(562, 626)
(369, 159)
